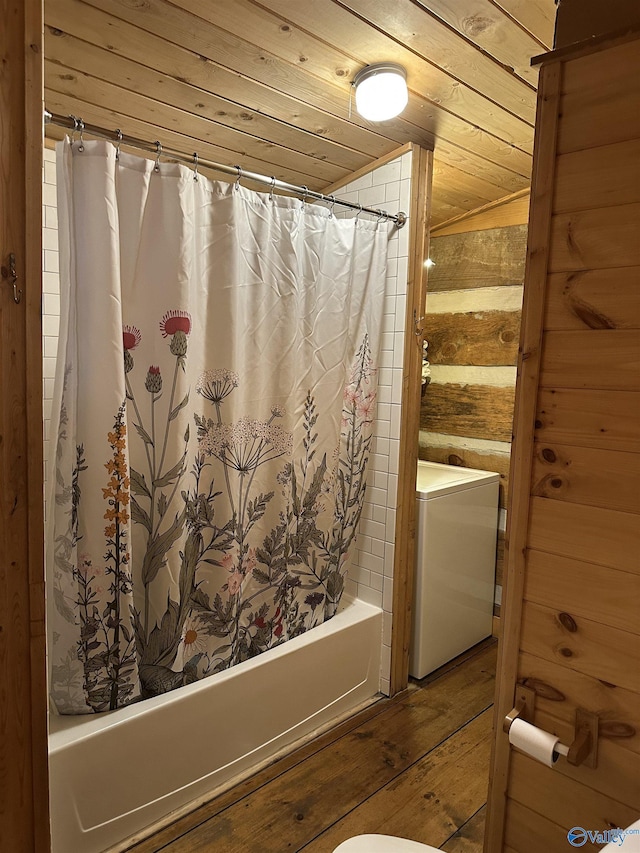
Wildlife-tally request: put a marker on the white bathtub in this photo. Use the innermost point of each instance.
(115, 774)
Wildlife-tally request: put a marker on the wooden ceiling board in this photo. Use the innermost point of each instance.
(440, 45)
(491, 30)
(471, 164)
(333, 23)
(162, 115)
(178, 26)
(324, 64)
(131, 126)
(97, 27)
(248, 61)
(64, 51)
(464, 194)
(443, 173)
(537, 17)
(267, 83)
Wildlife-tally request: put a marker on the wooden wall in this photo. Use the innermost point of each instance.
(572, 630)
(24, 800)
(472, 325)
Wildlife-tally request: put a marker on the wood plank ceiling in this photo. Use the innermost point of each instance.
(267, 84)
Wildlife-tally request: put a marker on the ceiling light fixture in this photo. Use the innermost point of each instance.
(381, 91)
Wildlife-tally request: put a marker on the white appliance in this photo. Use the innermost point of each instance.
(456, 526)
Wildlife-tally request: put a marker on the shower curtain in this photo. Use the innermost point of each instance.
(212, 419)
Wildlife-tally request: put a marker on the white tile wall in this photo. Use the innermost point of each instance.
(51, 292)
(371, 577)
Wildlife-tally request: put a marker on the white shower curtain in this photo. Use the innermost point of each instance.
(214, 401)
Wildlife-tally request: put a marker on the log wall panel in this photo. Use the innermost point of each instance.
(598, 177)
(585, 589)
(559, 691)
(598, 650)
(598, 535)
(473, 338)
(478, 259)
(603, 359)
(593, 299)
(589, 418)
(477, 330)
(479, 411)
(587, 808)
(586, 476)
(594, 239)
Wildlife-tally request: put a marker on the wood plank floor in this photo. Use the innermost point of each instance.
(414, 766)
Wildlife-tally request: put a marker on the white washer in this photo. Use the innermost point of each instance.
(456, 527)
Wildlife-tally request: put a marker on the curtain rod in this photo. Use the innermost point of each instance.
(76, 124)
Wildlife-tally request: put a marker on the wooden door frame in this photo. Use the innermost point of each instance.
(24, 799)
(419, 215)
(404, 552)
(522, 454)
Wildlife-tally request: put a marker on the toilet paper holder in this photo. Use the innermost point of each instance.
(583, 749)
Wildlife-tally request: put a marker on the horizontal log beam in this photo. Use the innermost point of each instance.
(473, 338)
(478, 259)
(477, 411)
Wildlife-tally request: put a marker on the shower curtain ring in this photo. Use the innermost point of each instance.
(237, 183)
(305, 194)
(273, 186)
(81, 140)
(332, 199)
(118, 142)
(382, 214)
(359, 211)
(74, 130)
(156, 167)
(195, 165)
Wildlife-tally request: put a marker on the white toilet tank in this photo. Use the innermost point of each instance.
(457, 524)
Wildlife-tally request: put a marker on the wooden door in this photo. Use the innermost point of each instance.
(24, 824)
(572, 591)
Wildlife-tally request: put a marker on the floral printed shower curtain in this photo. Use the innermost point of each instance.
(212, 421)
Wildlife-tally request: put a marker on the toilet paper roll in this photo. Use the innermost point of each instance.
(541, 745)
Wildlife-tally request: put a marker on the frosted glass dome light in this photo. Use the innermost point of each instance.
(381, 91)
